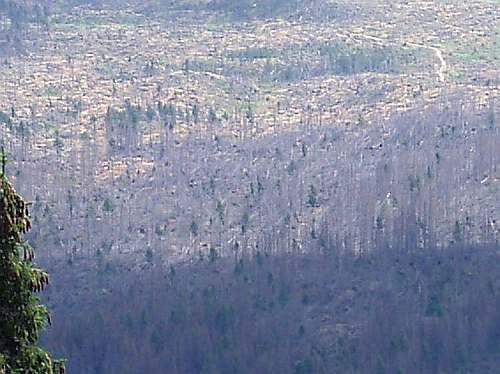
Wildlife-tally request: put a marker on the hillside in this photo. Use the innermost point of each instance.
(384, 312)
(177, 126)
(196, 134)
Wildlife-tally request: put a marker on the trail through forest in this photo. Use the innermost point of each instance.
(441, 72)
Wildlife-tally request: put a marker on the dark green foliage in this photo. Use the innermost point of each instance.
(213, 255)
(244, 10)
(253, 54)
(193, 228)
(304, 367)
(108, 205)
(149, 255)
(284, 295)
(336, 58)
(4, 118)
(457, 232)
(344, 60)
(312, 197)
(21, 12)
(150, 113)
(212, 116)
(381, 312)
(21, 316)
(434, 307)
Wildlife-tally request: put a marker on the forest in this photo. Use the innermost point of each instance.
(257, 186)
(387, 311)
(383, 268)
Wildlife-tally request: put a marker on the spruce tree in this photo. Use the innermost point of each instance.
(22, 317)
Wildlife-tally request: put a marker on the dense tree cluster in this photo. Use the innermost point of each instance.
(22, 12)
(19, 22)
(387, 311)
(338, 58)
(250, 9)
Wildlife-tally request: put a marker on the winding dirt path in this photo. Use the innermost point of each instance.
(439, 54)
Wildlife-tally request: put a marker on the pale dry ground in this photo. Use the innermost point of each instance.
(80, 60)
(96, 59)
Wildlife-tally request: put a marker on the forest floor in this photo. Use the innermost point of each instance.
(95, 59)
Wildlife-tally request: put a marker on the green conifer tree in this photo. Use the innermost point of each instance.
(22, 317)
